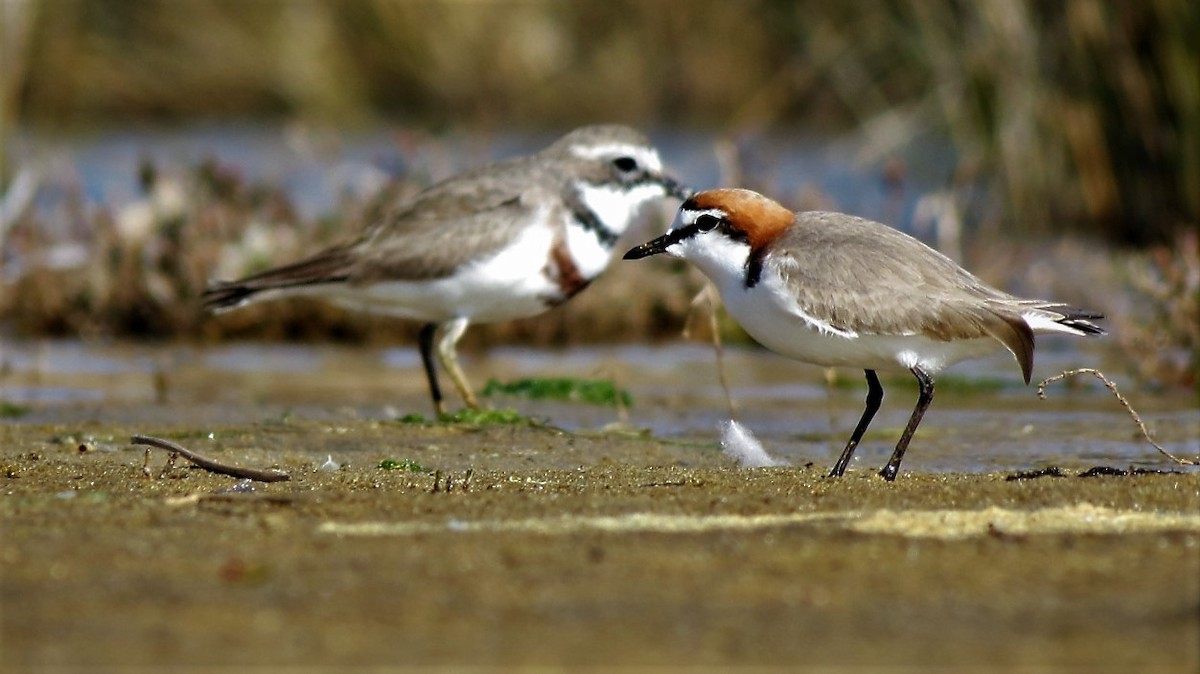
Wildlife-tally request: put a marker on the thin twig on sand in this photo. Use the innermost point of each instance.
(259, 474)
(1041, 391)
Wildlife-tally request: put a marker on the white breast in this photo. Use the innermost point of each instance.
(591, 256)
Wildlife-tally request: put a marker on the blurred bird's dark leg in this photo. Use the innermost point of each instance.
(425, 342)
(926, 396)
(874, 399)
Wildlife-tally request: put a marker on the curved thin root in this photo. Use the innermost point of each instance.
(1041, 391)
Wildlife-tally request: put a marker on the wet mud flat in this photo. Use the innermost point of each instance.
(451, 544)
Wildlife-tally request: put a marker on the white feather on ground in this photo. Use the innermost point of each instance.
(739, 444)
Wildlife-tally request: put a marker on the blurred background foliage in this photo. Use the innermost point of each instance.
(1081, 117)
(1087, 113)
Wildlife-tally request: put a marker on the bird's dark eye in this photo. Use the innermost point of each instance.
(625, 164)
(707, 222)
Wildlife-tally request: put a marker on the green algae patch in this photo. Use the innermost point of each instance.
(473, 417)
(568, 389)
(485, 417)
(403, 464)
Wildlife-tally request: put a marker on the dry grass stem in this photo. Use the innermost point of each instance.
(708, 296)
(1041, 391)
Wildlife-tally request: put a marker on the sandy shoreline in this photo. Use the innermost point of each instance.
(576, 549)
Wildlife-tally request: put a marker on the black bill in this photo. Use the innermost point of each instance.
(659, 245)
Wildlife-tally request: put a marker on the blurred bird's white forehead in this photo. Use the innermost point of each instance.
(646, 157)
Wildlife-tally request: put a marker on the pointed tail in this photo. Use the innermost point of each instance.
(330, 266)
(1064, 319)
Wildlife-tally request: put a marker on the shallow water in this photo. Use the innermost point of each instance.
(983, 419)
(316, 168)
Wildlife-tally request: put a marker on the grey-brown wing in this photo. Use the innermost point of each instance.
(440, 246)
(862, 276)
(457, 199)
(426, 236)
(435, 232)
(434, 249)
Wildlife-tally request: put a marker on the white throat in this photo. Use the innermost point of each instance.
(722, 259)
(616, 206)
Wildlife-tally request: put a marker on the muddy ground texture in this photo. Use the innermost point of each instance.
(567, 549)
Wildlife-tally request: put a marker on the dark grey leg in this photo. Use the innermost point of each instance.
(926, 383)
(874, 399)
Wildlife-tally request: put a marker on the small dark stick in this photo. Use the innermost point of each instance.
(261, 475)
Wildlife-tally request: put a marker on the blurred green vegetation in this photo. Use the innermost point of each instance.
(1086, 113)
